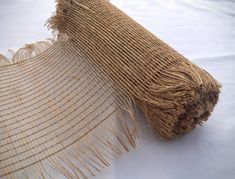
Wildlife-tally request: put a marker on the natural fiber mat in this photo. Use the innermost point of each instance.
(68, 105)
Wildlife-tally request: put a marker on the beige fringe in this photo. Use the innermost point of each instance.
(89, 155)
(4, 60)
(26, 52)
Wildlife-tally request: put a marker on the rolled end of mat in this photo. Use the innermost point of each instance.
(175, 94)
(188, 95)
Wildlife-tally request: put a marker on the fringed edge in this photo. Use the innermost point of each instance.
(26, 52)
(90, 155)
(57, 23)
(4, 60)
(31, 50)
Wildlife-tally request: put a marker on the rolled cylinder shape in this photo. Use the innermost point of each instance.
(175, 94)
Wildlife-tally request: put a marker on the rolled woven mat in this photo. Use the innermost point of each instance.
(175, 94)
(70, 109)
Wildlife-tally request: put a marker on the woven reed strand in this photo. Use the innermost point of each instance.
(175, 94)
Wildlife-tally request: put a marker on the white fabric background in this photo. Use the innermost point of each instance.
(202, 30)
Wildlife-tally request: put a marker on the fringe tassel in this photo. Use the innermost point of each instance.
(26, 52)
(4, 60)
(91, 154)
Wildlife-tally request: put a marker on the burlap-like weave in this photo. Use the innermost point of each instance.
(71, 107)
(174, 93)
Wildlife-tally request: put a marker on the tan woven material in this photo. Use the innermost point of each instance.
(70, 108)
(175, 94)
(56, 112)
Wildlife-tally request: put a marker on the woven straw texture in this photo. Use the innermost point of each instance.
(68, 105)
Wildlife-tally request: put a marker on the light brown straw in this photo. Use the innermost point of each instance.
(175, 94)
(68, 106)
